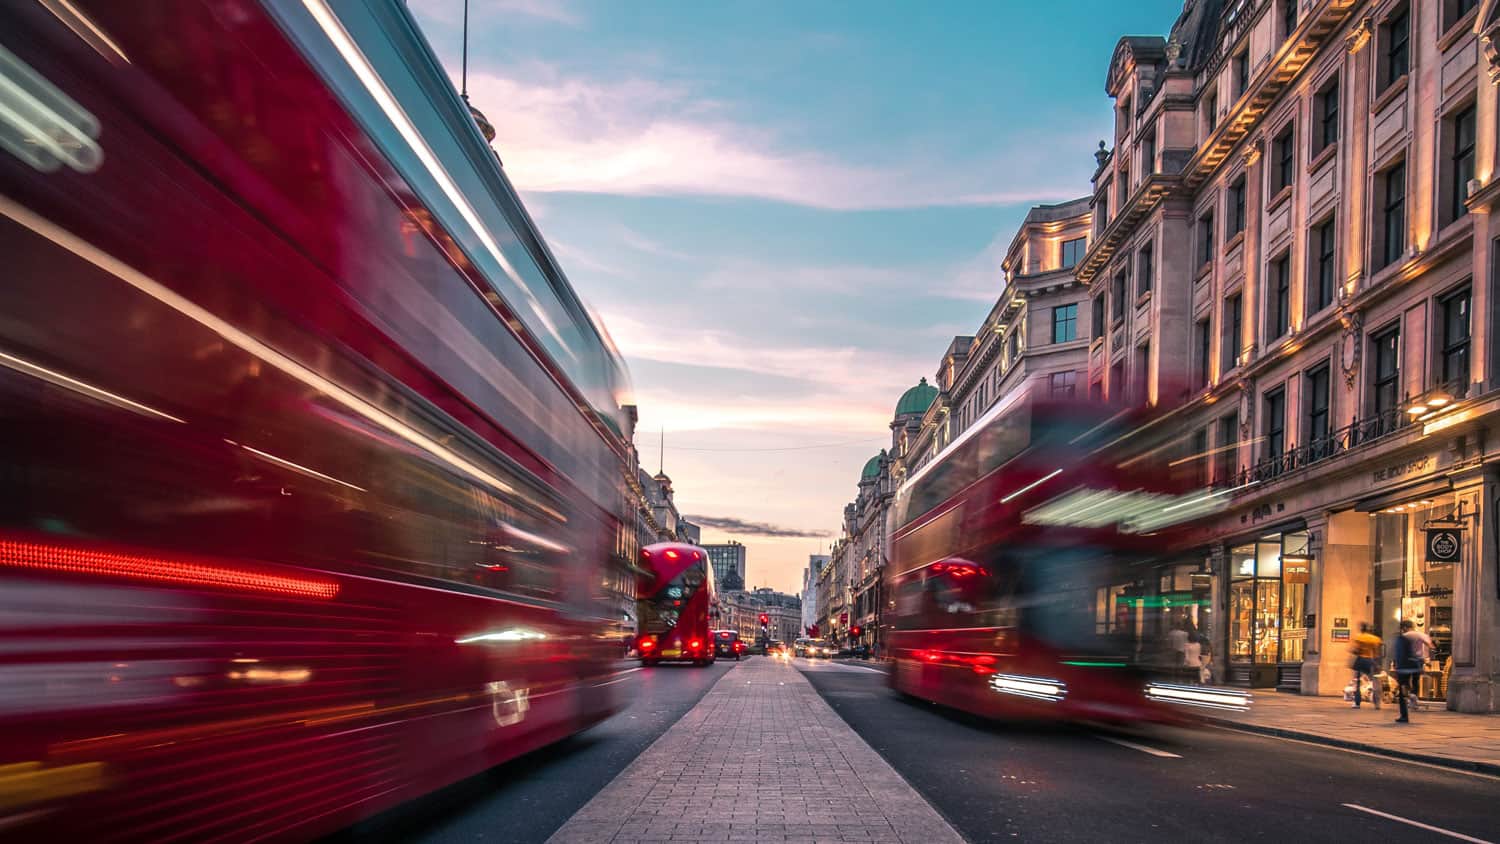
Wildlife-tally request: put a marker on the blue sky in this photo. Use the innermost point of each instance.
(784, 211)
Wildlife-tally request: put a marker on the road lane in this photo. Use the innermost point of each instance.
(527, 799)
(998, 782)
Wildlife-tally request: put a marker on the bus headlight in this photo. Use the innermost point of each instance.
(1036, 688)
(1202, 696)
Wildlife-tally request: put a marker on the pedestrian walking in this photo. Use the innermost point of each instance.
(1412, 650)
(1366, 649)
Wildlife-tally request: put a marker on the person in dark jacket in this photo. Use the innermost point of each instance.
(1408, 665)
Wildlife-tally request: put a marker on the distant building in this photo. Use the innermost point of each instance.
(728, 561)
(815, 564)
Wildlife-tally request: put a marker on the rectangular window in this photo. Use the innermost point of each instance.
(1064, 323)
(1200, 457)
(1385, 386)
(1145, 269)
(1148, 153)
(1455, 353)
(1241, 73)
(1281, 296)
(1326, 110)
(1072, 252)
(1226, 452)
(1142, 372)
(1236, 207)
(1393, 214)
(1117, 297)
(1098, 325)
(1205, 342)
(1206, 237)
(1325, 241)
(1211, 113)
(1455, 11)
(1461, 161)
(1102, 210)
(1284, 152)
(1232, 341)
(1276, 423)
(1117, 385)
(1315, 399)
(1288, 18)
(1395, 36)
(1064, 385)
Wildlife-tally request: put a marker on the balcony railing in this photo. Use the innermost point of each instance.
(1356, 433)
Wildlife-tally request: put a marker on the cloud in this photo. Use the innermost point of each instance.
(740, 527)
(647, 138)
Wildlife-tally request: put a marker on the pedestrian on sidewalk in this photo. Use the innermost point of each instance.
(1412, 648)
(1366, 649)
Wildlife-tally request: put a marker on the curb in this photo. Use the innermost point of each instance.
(1378, 750)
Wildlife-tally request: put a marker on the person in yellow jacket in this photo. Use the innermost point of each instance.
(1366, 649)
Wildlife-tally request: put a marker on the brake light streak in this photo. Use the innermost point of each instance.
(1036, 688)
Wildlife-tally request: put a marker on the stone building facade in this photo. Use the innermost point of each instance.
(1294, 255)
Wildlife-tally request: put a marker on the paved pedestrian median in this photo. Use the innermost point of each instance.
(760, 758)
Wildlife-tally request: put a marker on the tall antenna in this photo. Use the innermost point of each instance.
(661, 453)
(464, 71)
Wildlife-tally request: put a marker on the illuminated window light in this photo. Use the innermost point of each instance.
(36, 556)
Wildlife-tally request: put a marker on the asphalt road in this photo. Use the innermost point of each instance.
(526, 800)
(997, 782)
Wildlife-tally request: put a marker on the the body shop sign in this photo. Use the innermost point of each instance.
(1443, 544)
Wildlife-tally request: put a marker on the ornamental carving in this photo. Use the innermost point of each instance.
(1359, 35)
(1351, 345)
(1489, 46)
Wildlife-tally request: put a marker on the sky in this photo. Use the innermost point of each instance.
(784, 211)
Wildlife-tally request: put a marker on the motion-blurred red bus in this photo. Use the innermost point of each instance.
(678, 607)
(1014, 554)
(310, 457)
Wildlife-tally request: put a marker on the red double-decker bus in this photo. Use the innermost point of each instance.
(311, 460)
(1015, 556)
(678, 606)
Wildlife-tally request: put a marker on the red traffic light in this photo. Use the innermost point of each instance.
(765, 619)
(855, 630)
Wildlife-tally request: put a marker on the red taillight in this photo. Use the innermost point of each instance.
(671, 555)
(697, 556)
(647, 643)
(694, 645)
(188, 572)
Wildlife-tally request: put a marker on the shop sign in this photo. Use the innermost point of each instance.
(1290, 633)
(1341, 634)
(1296, 569)
(1443, 545)
(1401, 470)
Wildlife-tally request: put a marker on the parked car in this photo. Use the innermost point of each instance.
(727, 644)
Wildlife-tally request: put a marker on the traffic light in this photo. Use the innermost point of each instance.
(764, 619)
(855, 631)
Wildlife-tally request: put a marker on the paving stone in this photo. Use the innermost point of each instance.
(795, 772)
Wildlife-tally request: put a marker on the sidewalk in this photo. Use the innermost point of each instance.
(760, 758)
(1435, 735)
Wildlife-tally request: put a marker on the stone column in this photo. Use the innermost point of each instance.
(1474, 685)
(1342, 580)
(1354, 89)
(1312, 662)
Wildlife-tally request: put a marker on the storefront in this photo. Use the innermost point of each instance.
(1267, 582)
(1411, 580)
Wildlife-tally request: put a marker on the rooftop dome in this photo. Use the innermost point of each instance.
(917, 399)
(872, 468)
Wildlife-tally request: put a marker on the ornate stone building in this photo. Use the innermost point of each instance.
(1295, 254)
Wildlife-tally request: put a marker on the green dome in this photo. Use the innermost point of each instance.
(917, 399)
(872, 468)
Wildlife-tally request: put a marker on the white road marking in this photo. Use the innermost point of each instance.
(1418, 824)
(1141, 747)
(846, 667)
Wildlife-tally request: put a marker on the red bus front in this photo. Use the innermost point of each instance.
(677, 605)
